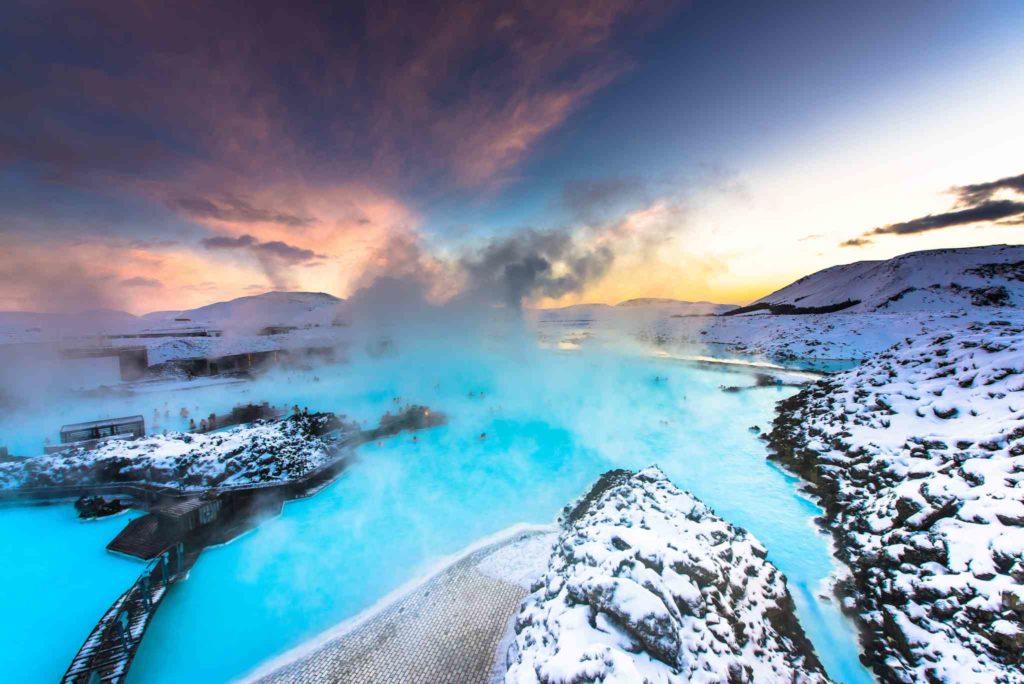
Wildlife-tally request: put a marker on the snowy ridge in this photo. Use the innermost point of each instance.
(842, 335)
(270, 308)
(646, 584)
(934, 280)
(918, 458)
(264, 451)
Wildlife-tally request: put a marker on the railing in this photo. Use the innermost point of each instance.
(109, 649)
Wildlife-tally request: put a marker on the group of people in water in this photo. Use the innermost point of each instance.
(205, 424)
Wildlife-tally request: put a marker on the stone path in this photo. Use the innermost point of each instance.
(445, 631)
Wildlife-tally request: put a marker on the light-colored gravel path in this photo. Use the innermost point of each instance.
(446, 630)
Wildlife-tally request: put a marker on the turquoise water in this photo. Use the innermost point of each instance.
(57, 579)
(552, 423)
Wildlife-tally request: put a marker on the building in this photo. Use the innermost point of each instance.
(89, 435)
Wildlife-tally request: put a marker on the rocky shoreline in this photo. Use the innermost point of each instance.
(917, 458)
(646, 583)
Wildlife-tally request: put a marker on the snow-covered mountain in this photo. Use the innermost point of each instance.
(933, 280)
(270, 308)
(298, 309)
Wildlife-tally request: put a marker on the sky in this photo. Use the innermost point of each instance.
(156, 157)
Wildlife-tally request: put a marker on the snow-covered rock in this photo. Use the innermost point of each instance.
(918, 458)
(264, 451)
(646, 584)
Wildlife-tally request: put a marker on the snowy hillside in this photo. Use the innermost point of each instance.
(842, 313)
(918, 458)
(816, 336)
(646, 584)
(935, 280)
(270, 308)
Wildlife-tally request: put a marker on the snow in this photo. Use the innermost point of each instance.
(918, 455)
(910, 294)
(519, 562)
(821, 337)
(646, 584)
(933, 280)
(270, 308)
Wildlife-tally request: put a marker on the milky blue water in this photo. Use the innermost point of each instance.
(56, 580)
(528, 433)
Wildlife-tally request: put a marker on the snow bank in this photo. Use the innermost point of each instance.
(918, 457)
(264, 451)
(646, 584)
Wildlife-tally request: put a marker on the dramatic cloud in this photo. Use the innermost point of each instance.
(225, 242)
(971, 195)
(235, 210)
(532, 264)
(975, 204)
(986, 211)
(275, 248)
(459, 92)
(139, 281)
(275, 256)
(292, 135)
(286, 252)
(77, 276)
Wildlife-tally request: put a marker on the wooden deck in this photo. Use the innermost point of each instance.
(143, 538)
(109, 649)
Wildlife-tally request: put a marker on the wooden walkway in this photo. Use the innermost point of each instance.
(108, 651)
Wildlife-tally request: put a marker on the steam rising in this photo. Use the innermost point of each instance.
(536, 264)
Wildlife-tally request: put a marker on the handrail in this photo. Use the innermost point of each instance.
(108, 651)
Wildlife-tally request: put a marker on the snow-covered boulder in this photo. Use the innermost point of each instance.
(264, 451)
(646, 584)
(918, 458)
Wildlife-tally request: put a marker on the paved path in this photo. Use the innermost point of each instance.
(445, 631)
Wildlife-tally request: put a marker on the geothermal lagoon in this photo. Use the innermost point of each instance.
(529, 431)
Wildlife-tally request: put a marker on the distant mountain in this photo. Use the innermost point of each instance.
(574, 312)
(678, 305)
(15, 324)
(270, 308)
(642, 306)
(934, 280)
